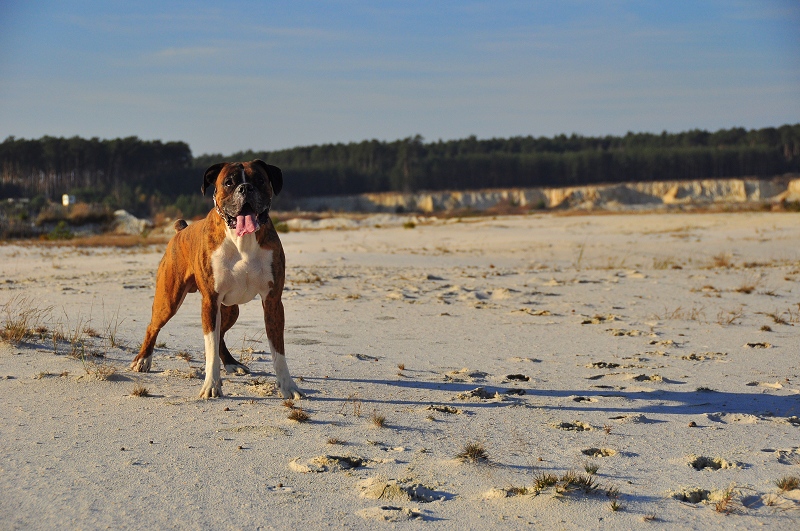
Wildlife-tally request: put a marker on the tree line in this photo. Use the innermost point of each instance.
(410, 164)
(144, 176)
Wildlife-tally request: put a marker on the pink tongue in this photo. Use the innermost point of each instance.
(245, 224)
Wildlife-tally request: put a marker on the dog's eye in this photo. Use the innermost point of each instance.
(228, 182)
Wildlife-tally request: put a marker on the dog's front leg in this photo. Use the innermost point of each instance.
(274, 322)
(212, 387)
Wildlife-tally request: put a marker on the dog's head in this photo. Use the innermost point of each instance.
(243, 192)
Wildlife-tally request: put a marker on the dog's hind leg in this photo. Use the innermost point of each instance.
(165, 304)
(229, 316)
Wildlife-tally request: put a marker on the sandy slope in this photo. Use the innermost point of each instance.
(620, 331)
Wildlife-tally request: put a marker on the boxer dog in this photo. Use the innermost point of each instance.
(230, 257)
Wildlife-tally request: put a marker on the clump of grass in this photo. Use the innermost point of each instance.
(185, 356)
(788, 483)
(473, 452)
(377, 420)
(409, 225)
(21, 318)
(573, 481)
(544, 481)
(401, 366)
(727, 503)
(777, 318)
(91, 332)
(356, 402)
(112, 330)
(766, 328)
(649, 517)
(663, 263)
(298, 415)
(729, 317)
(101, 371)
(288, 404)
(721, 260)
(140, 391)
(334, 440)
(591, 468)
(615, 505)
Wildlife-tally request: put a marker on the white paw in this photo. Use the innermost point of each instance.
(236, 368)
(142, 365)
(289, 389)
(211, 389)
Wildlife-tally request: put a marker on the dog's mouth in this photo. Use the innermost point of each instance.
(245, 222)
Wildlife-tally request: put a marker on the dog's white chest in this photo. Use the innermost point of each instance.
(242, 270)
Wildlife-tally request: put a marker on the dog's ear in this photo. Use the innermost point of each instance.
(210, 177)
(274, 173)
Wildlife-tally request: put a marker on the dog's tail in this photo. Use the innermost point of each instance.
(180, 225)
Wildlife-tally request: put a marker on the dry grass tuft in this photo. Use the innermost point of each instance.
(355, 400)
(572, 481)
(334, 440)
(729, 317)
(140, 391)
(788, 483)
(518, 491)
(778, 318)
(721, 260)
(378, 420)
(298, 415)
(288, 404)
(100, 371)
(91, 332)
(22, 318)
(591, 468)
(727, 502)
(474, 452)
(544, 481)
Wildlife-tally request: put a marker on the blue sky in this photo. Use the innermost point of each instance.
(230, 76)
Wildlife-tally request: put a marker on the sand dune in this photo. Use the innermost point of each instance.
(460, 375)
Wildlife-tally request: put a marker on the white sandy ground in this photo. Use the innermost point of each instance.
(497, 297)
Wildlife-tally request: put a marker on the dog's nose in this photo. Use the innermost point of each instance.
(244, 188)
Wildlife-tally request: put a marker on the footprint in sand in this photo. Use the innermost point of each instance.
(572, 426)
(731, 418)
(378, 488)
(699, 462)
(479, 393)
(775, 386)
(789, 456)
(326, 463)
(465, 375)
(389, 513)
(599, 452)
(602, 365)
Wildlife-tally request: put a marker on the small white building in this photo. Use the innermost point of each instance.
(67, 200)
